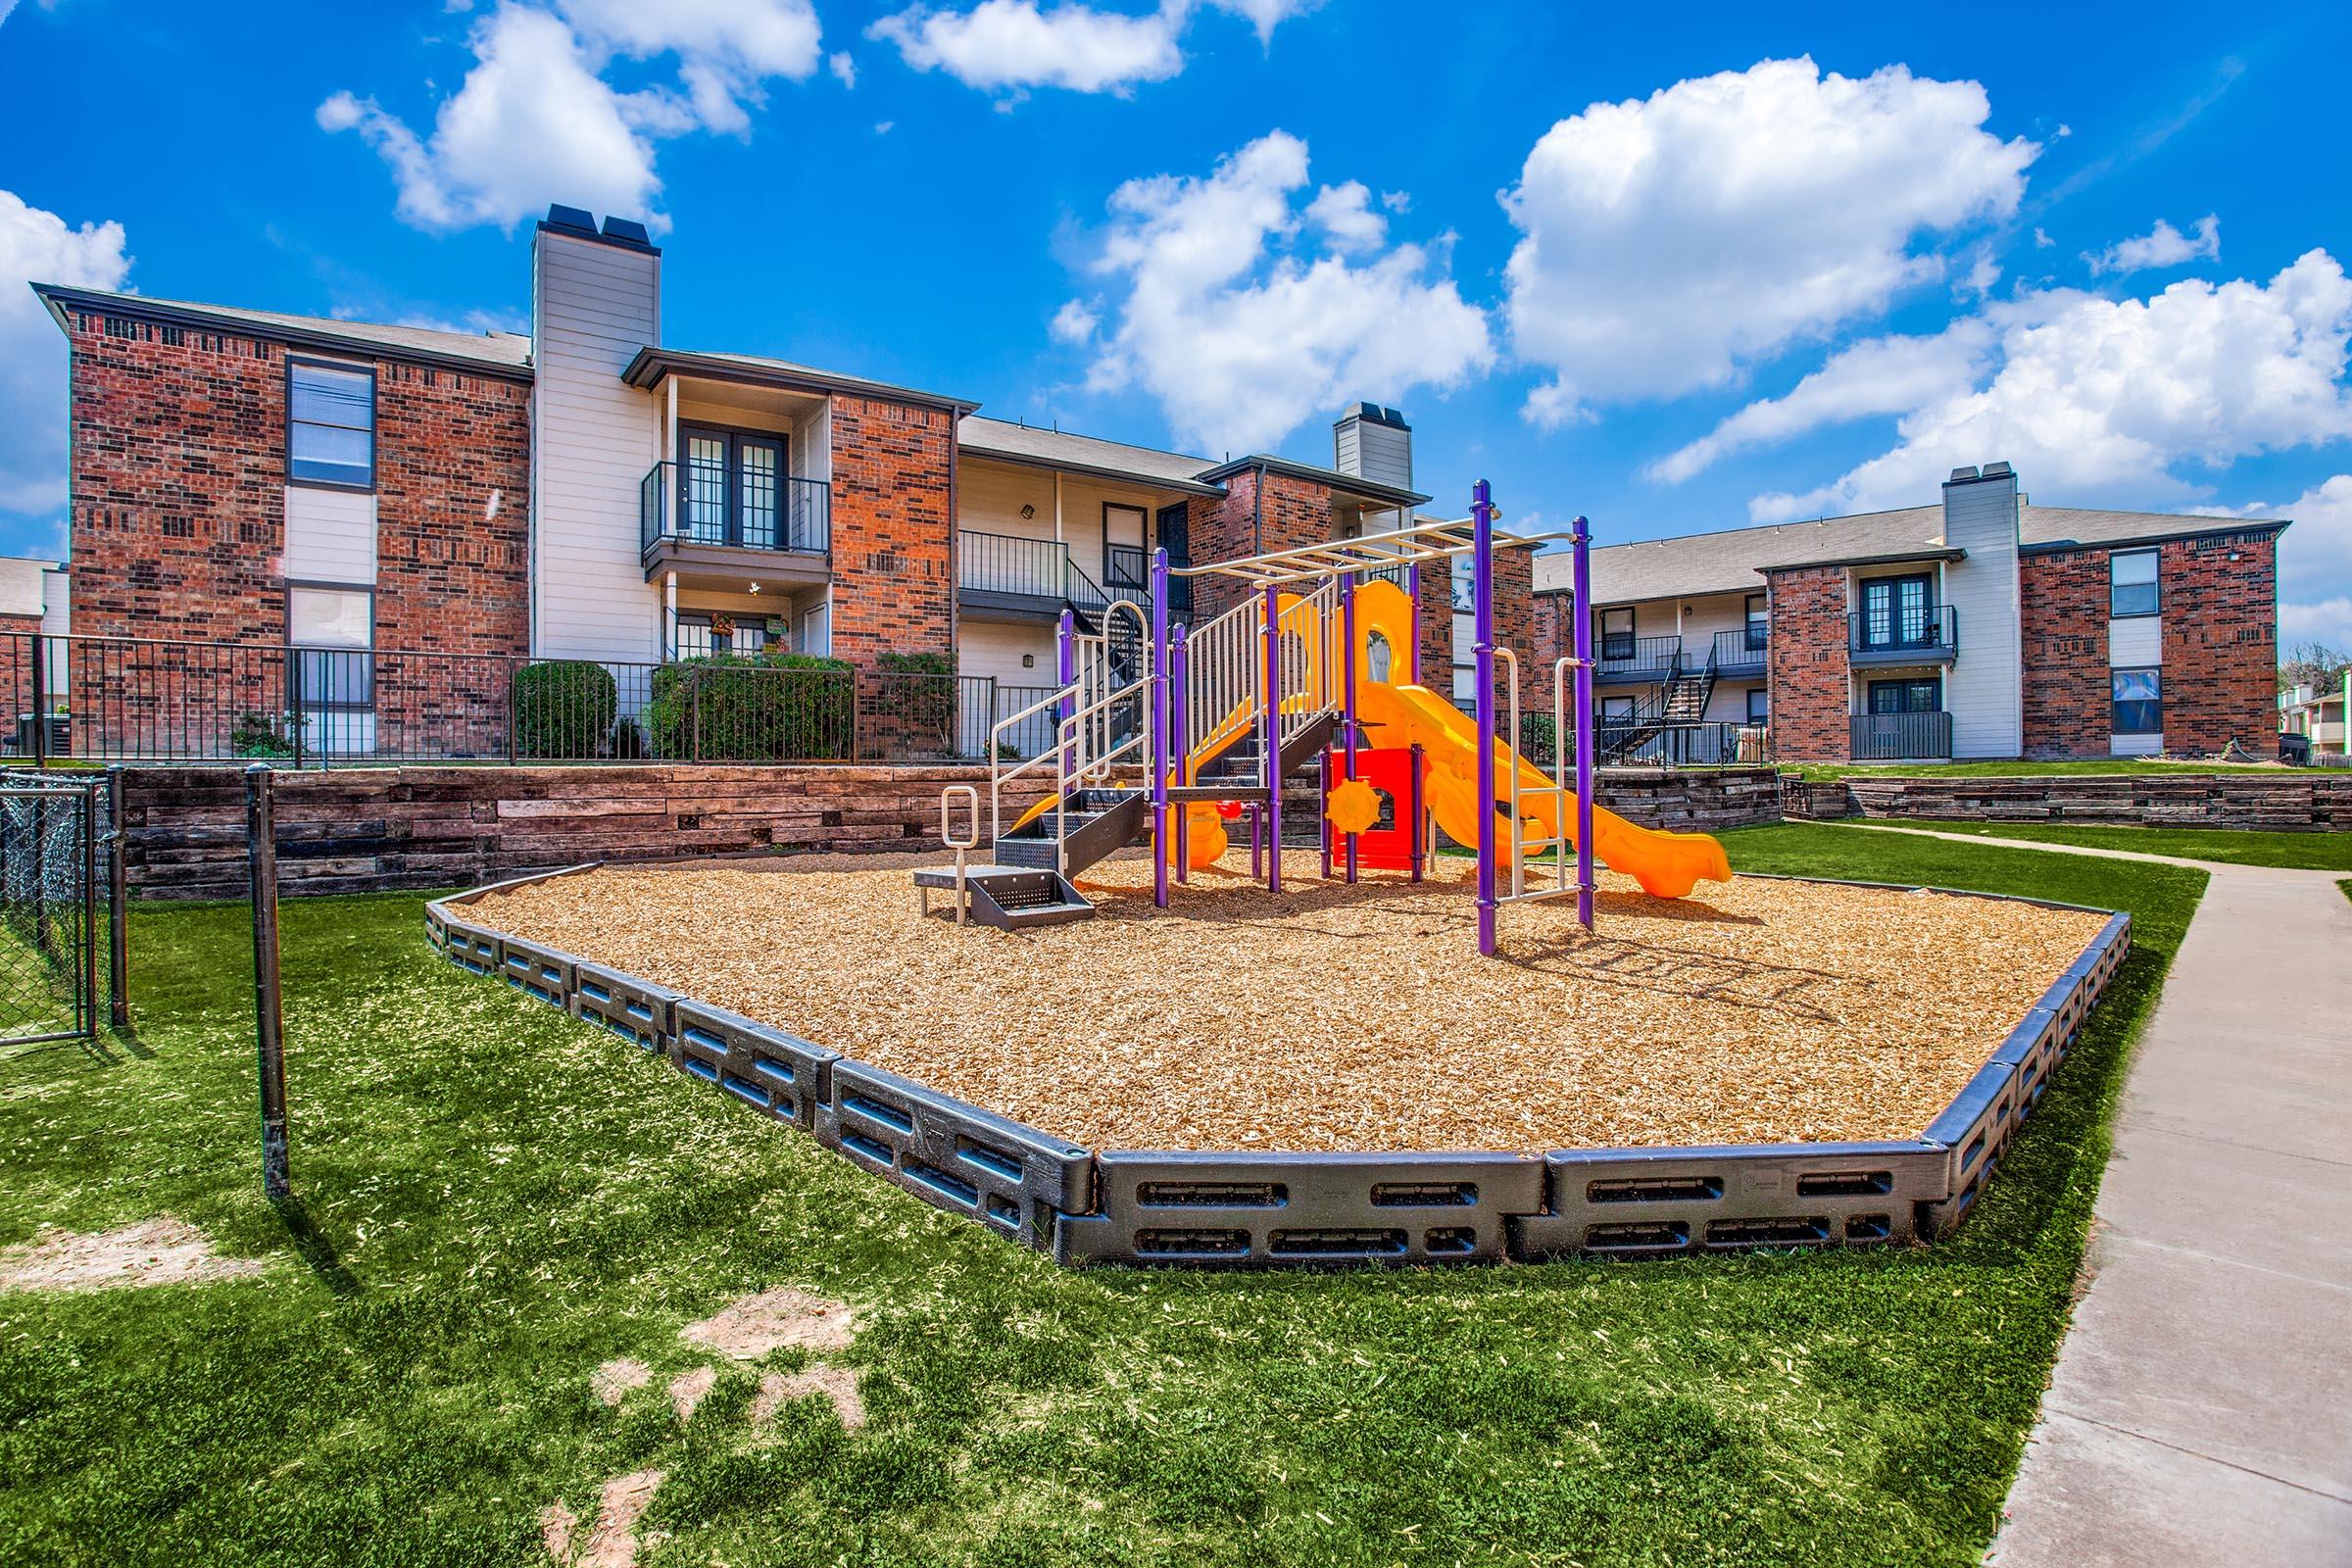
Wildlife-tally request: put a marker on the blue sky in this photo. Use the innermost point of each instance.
(1738, 268)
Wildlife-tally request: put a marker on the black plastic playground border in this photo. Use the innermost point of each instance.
(1268, 1209)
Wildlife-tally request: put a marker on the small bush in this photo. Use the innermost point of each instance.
(758, 708)
(563, 708)
(263, 735)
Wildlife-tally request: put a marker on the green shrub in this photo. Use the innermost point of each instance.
(262, 736)
(755, 708)
(563, 708)
(912, 707)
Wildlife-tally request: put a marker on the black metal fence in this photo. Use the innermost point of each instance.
(1900, 737)
(57, 890)
(135, 699)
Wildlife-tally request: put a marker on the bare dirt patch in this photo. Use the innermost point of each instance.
(1332, 1017)
(688, 1389)
(158, 1251)
(836, 1383)
(616, 1379)
(774, 1320)
(613, 1540)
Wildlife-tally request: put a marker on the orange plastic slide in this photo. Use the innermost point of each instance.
(1668, 865)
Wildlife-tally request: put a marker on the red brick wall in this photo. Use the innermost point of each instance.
(1437, 626)
(2221, 643)
(894, 579)
(178, 493)
(451, 575)
(16, 668)
(1808, 668)
(178, 474)
(2220, 651)
(1294, 512)
(2062, 640)
(1554, 634)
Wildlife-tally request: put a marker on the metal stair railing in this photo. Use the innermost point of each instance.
(1308, 675)
(1101, 728)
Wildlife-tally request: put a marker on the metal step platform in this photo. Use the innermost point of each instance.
(1011, 897)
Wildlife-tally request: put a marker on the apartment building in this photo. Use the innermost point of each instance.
(1980, 626)
(2318, 716)
(590, 491)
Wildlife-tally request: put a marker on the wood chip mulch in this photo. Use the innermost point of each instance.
(1354, 1018)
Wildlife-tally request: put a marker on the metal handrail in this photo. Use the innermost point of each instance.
(1221, 670)
(997, 773)
(802, 521)
(961, 845)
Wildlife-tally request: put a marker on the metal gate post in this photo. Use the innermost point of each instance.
(85, 995)
(40, 700)
(261, 850)
(296, 718)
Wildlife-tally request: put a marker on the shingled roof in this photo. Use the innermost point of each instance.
(1733, 561)
(509, 353)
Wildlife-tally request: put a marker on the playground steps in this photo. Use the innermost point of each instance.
(1095, 825)
(1013, 897)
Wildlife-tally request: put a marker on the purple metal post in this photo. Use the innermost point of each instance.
(1065, 668)
(1412, 652)
(1482, 608)
(1347, 695)
(1580, 546)
(1273, 699)
(1161, 839)
(1181, 764)
(1258, 841)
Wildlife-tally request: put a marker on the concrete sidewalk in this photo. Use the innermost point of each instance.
(2201, 1410)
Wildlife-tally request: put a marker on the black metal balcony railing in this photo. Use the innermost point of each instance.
(1003, 563)
(690, 503)
(1739, 651)
(1931, 633)
(1900, 737)
(1639, 657)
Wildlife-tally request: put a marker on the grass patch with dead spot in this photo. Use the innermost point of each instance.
(495, 1202)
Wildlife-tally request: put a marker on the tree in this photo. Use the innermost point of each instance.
(2313, 665)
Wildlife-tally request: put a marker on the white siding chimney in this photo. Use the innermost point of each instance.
(1374, 443)
(596, 300)
(1985, 689)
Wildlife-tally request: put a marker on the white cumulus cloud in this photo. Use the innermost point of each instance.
(1011, 46)
(1242, 315)
(2162, 246)
(39, 247)
(1073, 324)
(536, 121)
(1668, 242)
(2098, 399)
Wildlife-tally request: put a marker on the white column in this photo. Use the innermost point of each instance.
(669, 612)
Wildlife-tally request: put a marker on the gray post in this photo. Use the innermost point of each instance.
(40, 700)
(261, 844)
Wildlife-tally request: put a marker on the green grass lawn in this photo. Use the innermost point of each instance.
(494, 1199)
(2108, 765)
(2307, 852)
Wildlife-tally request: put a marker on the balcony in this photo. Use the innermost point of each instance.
(1017, 577)
(770, 525)
(1926, 635)
(1740, 651)
(1638, 659)
(1902, 737)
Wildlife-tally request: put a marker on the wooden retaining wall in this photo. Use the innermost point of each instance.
(368, 830)
(371, 829)
(2292, 801)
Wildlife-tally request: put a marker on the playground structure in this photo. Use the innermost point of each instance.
(1682, 1087)
(1210, 721)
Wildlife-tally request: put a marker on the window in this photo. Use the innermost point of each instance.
(1617, 633)
(1924, 694)
(699, 636)
(2138, 702)
(1759, 705)
(1616, 711)
(1758, 623)
(1899, 612)
(333, 630)
(2131, 583)
(330, 424)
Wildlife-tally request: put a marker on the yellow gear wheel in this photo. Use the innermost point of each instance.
(1352, 807)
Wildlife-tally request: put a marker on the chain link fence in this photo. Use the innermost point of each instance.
(60, 900)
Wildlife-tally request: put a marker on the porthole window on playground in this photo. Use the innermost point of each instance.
(1377, 657)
